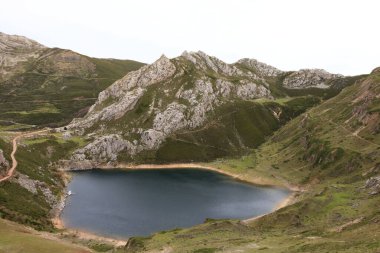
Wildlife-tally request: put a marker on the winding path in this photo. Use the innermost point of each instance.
(14, 143)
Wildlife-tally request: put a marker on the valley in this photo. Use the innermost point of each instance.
(310, 131)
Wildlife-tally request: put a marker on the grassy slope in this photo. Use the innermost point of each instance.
(36, 159)
(42, 95)
(232, 129)
(320, 152)
(16, 238)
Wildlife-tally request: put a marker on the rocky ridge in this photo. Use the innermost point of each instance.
(307, 78)
(14, 51)
(260, 68)
(178, 94)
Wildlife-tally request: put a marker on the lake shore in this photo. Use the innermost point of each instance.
(259, 181)
(84, 235)
(59, 224)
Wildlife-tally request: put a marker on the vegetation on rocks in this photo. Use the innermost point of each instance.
(333, 162)
(311, 131)
(195, 108)
(26, 201)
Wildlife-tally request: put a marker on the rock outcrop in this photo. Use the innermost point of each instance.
(141, 110)
(262, 69)
(104, 148)
(125, 93)
(205, 62)
(307, 78)
(34, 186)
(4, 164)
(373, 185)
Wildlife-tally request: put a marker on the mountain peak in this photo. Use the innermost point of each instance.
(260, 68)
(15, 50)
(11, 42)
(304, 78)
(376, 70)
(162, 57)
(193, 56)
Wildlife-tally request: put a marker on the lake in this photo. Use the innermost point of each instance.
(123, 203)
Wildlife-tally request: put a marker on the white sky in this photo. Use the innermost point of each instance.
(338, 35)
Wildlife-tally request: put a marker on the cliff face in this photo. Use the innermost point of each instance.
(142, 110)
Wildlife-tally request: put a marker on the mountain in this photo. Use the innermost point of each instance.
(16, 50)
(50, 86)
(331, 153)
(195, 108)
(311, 131)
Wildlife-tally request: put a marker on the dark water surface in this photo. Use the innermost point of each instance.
(131, 203)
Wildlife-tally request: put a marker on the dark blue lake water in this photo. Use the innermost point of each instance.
(136, 203)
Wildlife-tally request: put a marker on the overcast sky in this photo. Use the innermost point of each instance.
(340, 36)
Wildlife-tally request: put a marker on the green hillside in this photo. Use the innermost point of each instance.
(57, 86)
(17, 238)
(330, 153)
(197, 108)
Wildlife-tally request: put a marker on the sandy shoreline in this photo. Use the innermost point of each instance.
(287, 201)
(240, 177)
(59, 224)
(80, 234)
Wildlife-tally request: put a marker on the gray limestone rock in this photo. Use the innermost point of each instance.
(373, 185)
(125, 93)
(188, 89)
(34, 186)
(104, 148)
(307, 78)
(262, 69)
(249, 90)
(4, 164)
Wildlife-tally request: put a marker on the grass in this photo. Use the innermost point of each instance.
(280, 101)
(4, 127)
(232, 130)
(16, 238)
(100, 247)
(316, 151)
(36, 159)
(20, 205)
(44, 108)
(44, 94)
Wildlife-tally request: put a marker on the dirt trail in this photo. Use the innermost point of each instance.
(14, 143)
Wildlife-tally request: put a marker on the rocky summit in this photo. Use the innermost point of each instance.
(14, 52)
(141, 110)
